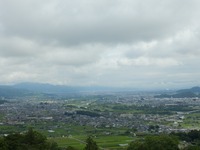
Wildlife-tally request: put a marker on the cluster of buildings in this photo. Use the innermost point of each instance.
(55, 113)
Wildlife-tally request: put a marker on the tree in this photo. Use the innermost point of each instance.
(191, 147)
(35, 140)
(153, 128)
(162, 142)
(90, 144)
(137, 145)
(53, 145)
(14, 141)
(70, 148)
(31, 140)
(192, 137)
(3, 144)
(33, 137)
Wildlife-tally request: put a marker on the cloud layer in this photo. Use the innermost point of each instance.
(140, 44)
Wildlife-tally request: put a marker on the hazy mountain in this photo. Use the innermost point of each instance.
(48, 90)
(195, 89)
(11, 92)
(183, 93)
(62, 89)
(45, 88)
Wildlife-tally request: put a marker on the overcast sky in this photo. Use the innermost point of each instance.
(120, 43)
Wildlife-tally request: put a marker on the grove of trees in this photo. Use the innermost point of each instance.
(31, 140)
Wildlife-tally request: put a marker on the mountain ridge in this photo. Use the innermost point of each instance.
(28, 89)
(45, 89)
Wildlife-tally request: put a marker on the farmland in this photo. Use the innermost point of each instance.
(112, 120)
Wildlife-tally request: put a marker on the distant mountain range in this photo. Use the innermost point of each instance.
(30, 89)
(61, 89)
(48, 90)
(195, 89)
(45, 88)
(10, 92)
(183, 93)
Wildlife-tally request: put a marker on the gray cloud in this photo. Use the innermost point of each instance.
(113, 43)
(75, 22)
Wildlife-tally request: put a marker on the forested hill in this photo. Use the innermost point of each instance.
(183, 93)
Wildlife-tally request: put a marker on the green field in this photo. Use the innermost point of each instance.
(104, 142)
(192, 121)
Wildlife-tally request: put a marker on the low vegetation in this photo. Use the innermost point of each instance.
(34, 140)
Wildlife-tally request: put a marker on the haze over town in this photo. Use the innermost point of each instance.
(138, 44)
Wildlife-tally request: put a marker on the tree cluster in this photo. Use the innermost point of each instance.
(31, 140)
(162, 142)
(193, 136)
(168, 142)
(87, 113)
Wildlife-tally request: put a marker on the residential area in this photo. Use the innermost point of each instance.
(118, 114)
